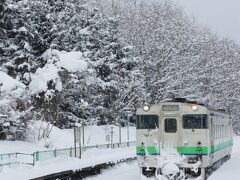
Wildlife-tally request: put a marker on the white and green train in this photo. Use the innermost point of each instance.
(201, 136)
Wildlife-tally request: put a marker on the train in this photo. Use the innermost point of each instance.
(182, 139)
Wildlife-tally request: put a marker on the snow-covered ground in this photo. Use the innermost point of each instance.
(130, 171)
(64, 139)
(125, 171)
(95, 135)
(90, 158)
(230, 169)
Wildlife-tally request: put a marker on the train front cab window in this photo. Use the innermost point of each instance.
(147, 121)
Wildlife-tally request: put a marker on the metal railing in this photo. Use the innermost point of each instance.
(39, 156)
(16, 158)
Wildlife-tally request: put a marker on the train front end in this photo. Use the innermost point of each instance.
(172, 134)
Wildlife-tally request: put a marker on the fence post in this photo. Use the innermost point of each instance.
(70, 151)
(55, 153)
(33, 158)
(37, 156)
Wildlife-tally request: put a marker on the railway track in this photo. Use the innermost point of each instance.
(83, 172)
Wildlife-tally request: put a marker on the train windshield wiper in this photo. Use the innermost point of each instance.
(191, 125)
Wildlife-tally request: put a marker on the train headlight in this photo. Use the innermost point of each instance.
(194, 107)
(146, 107)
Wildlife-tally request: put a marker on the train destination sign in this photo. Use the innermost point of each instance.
(170, 107)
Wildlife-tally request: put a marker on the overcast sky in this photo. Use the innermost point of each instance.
(221, 16)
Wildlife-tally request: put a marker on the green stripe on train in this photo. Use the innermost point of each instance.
(150, 150)
(204, 149)
(193, 150)
(188, 150)
(217, 147)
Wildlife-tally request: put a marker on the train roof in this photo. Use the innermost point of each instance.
(184, 100)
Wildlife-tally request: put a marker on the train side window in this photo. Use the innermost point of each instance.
(227, 130)
(224, 131)
(215, 131)
(223, 127)
(170, 125)
(220, 131)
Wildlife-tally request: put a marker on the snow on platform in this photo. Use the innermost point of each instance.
(64, 139)
(90, 158)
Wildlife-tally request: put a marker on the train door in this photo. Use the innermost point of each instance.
(170, 132)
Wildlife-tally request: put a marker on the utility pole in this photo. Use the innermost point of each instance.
(1, 84)
(75, 148)
(128, 116)
(120, 133)
(80, 147)
(128, 112)
(83, 126)
(111, 136)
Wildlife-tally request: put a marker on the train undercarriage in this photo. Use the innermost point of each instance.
(183, 173)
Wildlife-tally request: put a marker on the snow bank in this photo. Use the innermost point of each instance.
(61, 139)
(58, 138)
(56, 61)
(19, 146)
(8, 83)
(42, 76)
(72, 61)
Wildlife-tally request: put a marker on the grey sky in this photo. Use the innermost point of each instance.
(221, 16)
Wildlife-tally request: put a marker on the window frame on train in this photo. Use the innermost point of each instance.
(170, 127)
(193, 125)
(143, 121)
